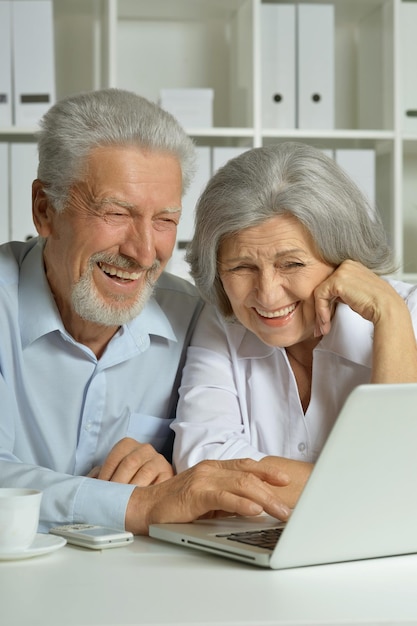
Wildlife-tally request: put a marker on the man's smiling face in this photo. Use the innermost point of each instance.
(104, 252)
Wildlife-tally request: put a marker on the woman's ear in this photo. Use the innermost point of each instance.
(42, 211)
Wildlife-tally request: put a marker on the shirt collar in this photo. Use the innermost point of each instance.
(38, 314)
(152, 321)
(350, 337)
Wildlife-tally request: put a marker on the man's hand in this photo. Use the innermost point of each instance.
(210, 488)
(134, 463)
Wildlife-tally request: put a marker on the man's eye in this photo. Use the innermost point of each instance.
(116, 213)
(166, 223)
(114, 217)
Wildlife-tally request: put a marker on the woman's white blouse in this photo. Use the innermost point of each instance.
(239, 397)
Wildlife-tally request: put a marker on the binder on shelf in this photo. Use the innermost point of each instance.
(375, 78)
(193, 108)
(5, 64)
(22, 170)
(315, 67)
(33, 60)
(177, 264)
(278, 65)
(360, 165)
(201, 178)
(4, 193)
(222, 154)
(408, 64)
(328, 152)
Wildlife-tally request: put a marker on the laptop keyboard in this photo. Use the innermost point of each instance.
(267, 538)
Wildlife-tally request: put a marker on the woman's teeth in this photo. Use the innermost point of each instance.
(281, 313)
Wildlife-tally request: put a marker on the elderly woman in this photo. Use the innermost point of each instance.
(290, 257)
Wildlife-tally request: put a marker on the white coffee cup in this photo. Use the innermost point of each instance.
(19, 518)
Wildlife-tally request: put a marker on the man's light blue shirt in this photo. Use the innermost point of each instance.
(62, 410)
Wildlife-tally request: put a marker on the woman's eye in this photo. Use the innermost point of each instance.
(241, 268)
(291, 265)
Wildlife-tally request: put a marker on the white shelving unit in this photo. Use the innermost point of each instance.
(146, 45)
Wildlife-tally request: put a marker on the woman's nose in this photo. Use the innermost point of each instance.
(269, 284)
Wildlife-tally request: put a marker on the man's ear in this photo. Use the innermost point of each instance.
(42, 211)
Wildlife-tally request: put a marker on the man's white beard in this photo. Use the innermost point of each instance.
(90, 306)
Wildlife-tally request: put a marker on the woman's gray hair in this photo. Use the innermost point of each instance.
(285, 179)
(107, 117)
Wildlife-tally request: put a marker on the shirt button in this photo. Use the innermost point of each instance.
(88, 426)
(301, 447)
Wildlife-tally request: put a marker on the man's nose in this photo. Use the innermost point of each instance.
(139, 243)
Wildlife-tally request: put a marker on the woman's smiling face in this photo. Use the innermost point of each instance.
(269, 273)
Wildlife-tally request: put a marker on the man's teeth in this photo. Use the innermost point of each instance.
(280, 313)
(114, 271)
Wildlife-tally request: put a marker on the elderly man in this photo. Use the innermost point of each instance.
(93, 333)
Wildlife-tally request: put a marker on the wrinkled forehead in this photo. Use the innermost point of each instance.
(275, 233)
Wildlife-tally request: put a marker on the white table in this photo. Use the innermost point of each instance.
(150, 583)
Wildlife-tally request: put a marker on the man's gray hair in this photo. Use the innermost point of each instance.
(109, 117)
(288, 178)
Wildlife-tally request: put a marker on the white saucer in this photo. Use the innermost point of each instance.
(42, 544)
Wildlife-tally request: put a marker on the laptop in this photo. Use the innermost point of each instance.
(360, 501)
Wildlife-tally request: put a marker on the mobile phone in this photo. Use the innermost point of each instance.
(92, 536)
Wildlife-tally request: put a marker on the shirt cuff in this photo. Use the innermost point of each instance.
(102, 503)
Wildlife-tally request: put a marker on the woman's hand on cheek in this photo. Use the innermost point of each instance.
(298, 473)
(325, 300)
(355, 285)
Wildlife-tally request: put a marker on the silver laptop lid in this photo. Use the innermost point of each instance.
(360, 501)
